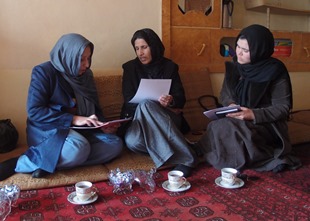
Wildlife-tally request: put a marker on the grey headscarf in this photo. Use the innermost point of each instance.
(66, 58)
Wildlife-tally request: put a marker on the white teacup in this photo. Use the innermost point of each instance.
(229, 176)
(84, 190)
(176, 179)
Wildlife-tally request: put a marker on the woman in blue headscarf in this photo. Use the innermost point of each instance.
(63, 94)
(257, 136)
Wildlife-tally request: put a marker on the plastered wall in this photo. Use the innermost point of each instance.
(30, 28)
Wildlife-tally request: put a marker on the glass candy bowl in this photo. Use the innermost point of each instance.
(12, 191)
(5, 205)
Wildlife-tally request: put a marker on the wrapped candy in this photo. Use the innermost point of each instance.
(8, 197)
(122, 181)
(13, 192)
(5, 205)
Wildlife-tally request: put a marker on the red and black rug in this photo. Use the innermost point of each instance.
(282, 196)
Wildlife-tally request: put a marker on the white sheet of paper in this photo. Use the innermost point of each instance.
(151, 89)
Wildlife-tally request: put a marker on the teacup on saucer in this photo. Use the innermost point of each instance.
(184, 187)
(239, 183)
(72, 198)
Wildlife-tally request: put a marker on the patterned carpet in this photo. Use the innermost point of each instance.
(282, 196)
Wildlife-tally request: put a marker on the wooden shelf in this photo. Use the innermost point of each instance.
(276, 7)
(189, 42)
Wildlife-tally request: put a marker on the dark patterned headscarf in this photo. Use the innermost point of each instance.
(153, 69)
(262, 69)
(66, 58)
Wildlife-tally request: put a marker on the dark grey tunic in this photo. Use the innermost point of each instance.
(262, 144)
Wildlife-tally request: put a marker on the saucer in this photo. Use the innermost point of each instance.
(74, 200)
(184, 187)
(239, 183)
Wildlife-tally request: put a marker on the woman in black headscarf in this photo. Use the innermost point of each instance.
(257, 136)
(157, 126)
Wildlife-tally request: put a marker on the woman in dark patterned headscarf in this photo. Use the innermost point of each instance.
(157, 126)
(257, 136)
(62, 94)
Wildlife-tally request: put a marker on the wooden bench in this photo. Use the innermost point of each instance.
(108, 84)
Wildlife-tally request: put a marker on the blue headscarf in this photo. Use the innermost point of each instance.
(66, 58)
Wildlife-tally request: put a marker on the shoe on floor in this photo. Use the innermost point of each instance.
(279, 168)
(7, 168)
(39, 173)
(195, 148)
(185, 169)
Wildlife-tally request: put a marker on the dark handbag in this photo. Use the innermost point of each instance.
(208, 102)
(8, 136)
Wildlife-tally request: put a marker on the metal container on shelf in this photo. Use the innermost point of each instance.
(228, 8)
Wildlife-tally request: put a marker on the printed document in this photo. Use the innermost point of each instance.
(151, 89)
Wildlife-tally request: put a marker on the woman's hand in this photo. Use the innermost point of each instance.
(165, 100)
(244, 114)
(89, 121)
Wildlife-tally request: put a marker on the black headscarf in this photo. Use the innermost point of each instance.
(66, 58)
(153, 69)
(262, 70)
